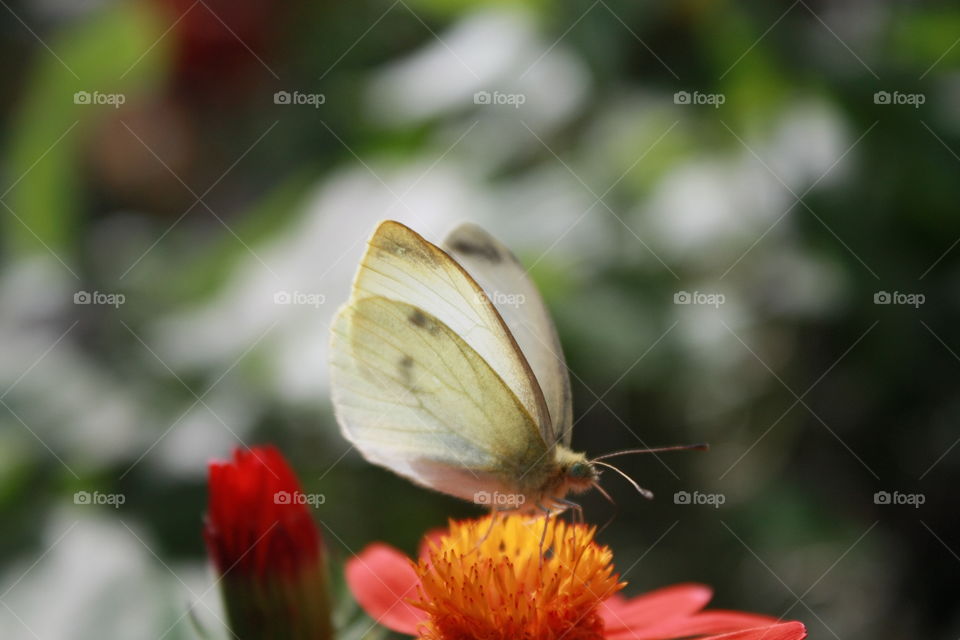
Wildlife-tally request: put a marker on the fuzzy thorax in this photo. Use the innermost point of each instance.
(568, 472)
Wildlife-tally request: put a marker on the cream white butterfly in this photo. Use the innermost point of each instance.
(446, 369)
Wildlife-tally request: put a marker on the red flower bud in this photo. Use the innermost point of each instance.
(266, 549)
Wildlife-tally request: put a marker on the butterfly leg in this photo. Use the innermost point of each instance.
(494, 514)
(578, 518)
(546, 522)
(576, 508)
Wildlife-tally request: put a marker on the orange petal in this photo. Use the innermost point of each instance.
(432, 536)
(382, 580)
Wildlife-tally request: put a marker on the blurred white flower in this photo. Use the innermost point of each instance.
(710, 211)
(92, 578)
(62, 395)
(808, 145)
(797, 283)
(493, 50)
(706, 209)
(281, 302)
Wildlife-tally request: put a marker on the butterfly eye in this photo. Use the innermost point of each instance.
(579, 470)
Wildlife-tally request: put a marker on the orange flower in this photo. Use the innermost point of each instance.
(488, 580)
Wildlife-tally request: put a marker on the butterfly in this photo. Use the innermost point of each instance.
(446, 368)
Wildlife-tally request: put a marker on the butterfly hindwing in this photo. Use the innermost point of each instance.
(414, 397)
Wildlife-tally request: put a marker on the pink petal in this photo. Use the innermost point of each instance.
(782, 631)
(706, 622)
(381, 579)
(654, 608)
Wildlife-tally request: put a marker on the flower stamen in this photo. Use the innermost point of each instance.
(498, 581)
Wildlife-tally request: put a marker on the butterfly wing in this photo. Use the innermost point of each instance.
(400, 265)
(414, 397)
(515, 296)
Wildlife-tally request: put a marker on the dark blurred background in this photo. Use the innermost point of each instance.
(742, 215)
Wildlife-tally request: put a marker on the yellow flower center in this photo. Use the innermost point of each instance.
(511, 580)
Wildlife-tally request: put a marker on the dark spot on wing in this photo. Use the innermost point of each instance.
(405, 366)
(419, 319)
(479, 249)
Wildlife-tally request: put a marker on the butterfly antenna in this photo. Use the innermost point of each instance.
(646, 493)
(680, 447)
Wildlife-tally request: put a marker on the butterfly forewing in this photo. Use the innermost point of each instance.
(400, 265)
